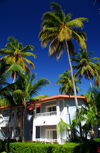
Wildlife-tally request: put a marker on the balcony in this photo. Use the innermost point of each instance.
(47, 118)
(4, 121)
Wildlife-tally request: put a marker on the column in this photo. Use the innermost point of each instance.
(58, 118)
(34, 127)
(64, 117)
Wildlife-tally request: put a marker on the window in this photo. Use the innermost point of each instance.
(51, 134)
(30, 112)
(68, 109)
(51, 108)
(30, 132)
(13, 114)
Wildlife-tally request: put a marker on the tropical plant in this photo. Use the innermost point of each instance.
(85, 65)
(6, 93)
(6, 88)
(66, 83)
(71, 128)
(97, 80)
(58, 29)
(16, 53)
(25, 90)
(89, 117)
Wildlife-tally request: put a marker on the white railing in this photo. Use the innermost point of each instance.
(46, 140)
(6, 118)
(46, 114)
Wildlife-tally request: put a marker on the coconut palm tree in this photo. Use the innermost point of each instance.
(25, 90)
(85, 65)
(66, 83)
(58, 29)
(16, 53)
(97, 80)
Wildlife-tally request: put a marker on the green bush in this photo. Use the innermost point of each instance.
(2, 145)
(37, 147)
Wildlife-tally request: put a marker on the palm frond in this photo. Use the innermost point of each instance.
(68, 17)
(56, 9)
(51, 16)
(79, 39)
(29, 62)
(26, 48)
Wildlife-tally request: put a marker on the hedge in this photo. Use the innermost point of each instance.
(18, 147)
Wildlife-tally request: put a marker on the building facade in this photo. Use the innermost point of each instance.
(41, 118)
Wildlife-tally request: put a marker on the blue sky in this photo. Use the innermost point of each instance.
(22, 19)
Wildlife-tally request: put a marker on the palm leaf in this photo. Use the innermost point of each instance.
(79, 39)
(29, 62)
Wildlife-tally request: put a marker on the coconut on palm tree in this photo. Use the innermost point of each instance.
(16, 53)
(25, 90)
(66, 83)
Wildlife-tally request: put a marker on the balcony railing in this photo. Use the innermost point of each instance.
(46, 114)
(6, 118)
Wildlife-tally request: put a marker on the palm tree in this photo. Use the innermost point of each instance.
(66, 83)
(89, 117)
(58, 29)
(6, 88)
(16, 53)
(86, 66)
(25, 90)
(6, 93)
(97, 80)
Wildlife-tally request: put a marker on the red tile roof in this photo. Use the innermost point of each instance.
(57, 97)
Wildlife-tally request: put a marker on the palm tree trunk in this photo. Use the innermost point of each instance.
(92, 132)
(9, 125)
(92, 92)
(23, 125)
(76, 101)
(19, 122)
(94, 100)
(14, 77)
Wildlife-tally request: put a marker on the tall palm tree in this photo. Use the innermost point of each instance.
(86, 67)
(16, 53)
(25, 90)
(66, 83)
(58, 29)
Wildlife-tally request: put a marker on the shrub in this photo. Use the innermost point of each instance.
(37, 147)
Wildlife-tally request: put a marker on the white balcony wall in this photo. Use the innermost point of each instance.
(47, 118)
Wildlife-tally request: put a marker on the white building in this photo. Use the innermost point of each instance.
(42, 117)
